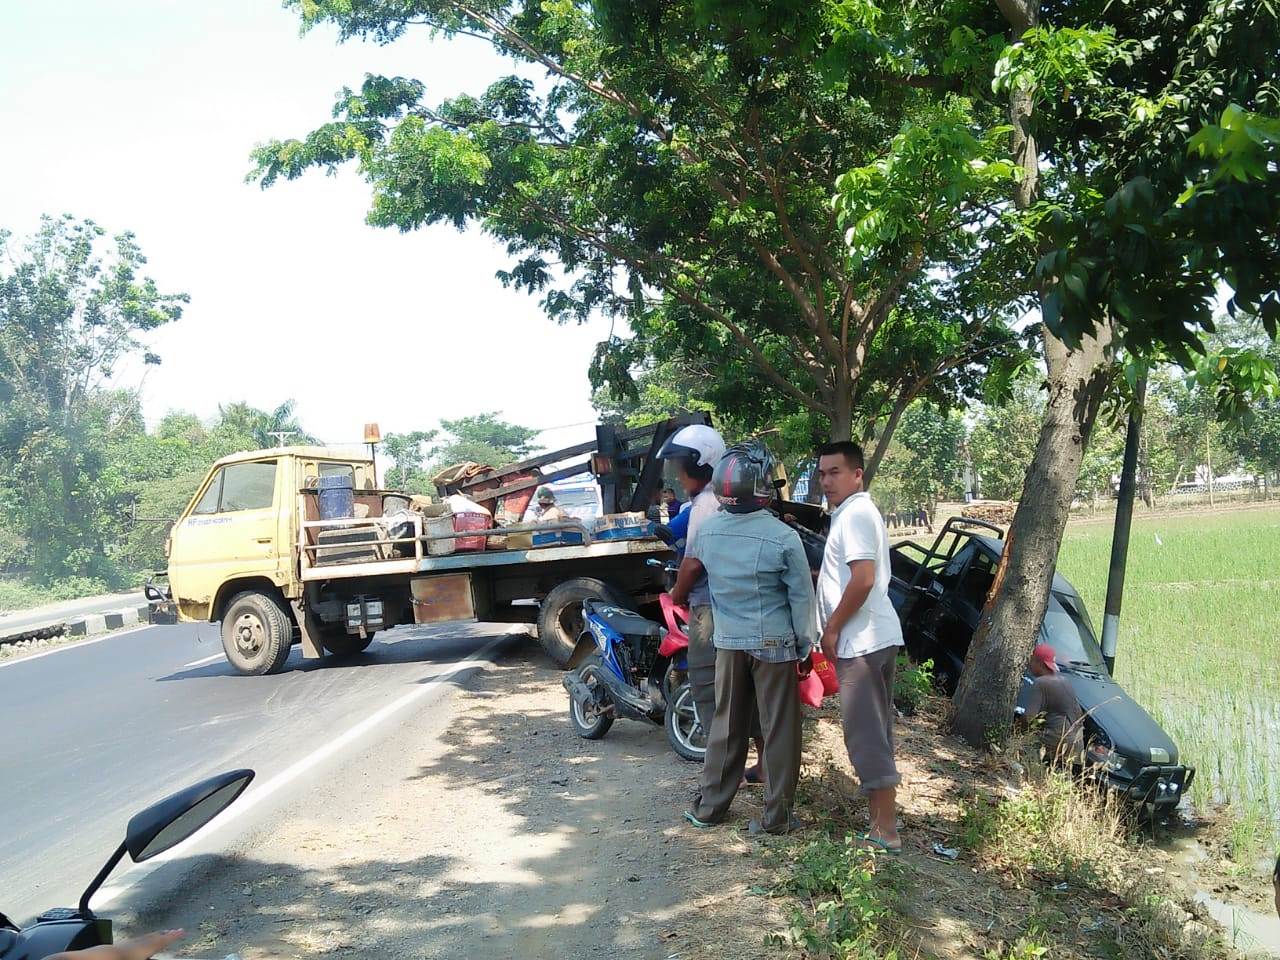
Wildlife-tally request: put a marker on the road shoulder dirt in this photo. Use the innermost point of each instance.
(490, 829)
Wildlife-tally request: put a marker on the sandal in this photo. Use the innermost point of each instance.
(878, 844)
(700, 824)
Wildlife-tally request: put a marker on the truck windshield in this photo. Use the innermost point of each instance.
(1069, 634)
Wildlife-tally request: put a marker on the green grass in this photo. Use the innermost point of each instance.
(16, 594)
(1199, 646)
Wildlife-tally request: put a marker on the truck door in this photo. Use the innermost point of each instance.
(231, 531)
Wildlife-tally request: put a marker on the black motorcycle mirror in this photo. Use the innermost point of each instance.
(167, 823)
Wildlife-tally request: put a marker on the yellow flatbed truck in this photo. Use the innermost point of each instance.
(250, 552)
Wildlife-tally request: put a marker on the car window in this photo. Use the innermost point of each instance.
(977, 580)
(1070, 636)
(209, 502)
(248, 486)
(581, 503)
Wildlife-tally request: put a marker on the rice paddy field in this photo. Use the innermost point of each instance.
(1199, 646)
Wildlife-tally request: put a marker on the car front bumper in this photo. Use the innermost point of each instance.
(1161, 785)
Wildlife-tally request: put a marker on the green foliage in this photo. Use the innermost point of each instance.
(849, 898)
(1026, 947)
(912, 683)
(22, 594)
(1054, 62)
(1218, 709)
(408, 453)
(1242, 146)
(487, 430)
(908, 196)
(675, 169)
(481, 438)
(1176, 129)
(1050, 827)
(71, 308)
(242, 427)
(1003, 440)
(923, 465)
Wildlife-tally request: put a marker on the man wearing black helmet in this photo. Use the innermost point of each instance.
(762, 598)
(695, 450)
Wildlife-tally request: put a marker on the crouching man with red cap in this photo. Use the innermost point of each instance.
(1052, 699)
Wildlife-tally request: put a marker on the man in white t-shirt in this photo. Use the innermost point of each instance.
(861, 633)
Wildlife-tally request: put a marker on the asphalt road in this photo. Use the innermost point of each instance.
(21, 620)
(90, 734)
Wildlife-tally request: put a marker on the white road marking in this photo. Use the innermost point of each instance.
(76, 646)
(257, 794)
(201, 663)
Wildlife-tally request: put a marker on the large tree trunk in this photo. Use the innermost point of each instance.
(1015, 607)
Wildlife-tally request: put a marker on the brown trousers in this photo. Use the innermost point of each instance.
(866, 710)
(743, 685)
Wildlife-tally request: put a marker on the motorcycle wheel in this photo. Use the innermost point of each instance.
(685, 734)
(588, 722)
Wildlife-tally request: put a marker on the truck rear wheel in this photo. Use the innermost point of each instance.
(560, 620)
(256, 633)
(343, 644)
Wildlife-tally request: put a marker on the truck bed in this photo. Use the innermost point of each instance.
(471, 560)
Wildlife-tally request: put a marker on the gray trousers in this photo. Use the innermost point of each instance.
(702, 663)
(744, 686)
(866, 710)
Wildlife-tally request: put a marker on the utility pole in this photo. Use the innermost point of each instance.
(280, 435)
(1124, 519)
(1208, 458)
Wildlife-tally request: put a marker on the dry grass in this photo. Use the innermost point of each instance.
(1044, 867)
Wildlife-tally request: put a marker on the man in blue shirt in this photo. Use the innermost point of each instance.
(765, 628)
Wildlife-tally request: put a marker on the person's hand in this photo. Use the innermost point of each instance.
(830, 643)
(679, 600)
(143, 948)
(805, 666)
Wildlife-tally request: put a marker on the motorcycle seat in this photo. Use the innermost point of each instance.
(626, 622)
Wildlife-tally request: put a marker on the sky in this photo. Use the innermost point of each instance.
(140, 114)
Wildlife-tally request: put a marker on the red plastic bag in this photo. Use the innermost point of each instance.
(811, 689)
(826, 672)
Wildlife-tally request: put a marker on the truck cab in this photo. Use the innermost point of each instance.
(239, 531)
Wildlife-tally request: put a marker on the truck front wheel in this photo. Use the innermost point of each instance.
(560, 620)
(256, 633)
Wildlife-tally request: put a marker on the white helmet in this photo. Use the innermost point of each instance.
(703, 445)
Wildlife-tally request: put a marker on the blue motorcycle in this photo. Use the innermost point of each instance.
(625, 665)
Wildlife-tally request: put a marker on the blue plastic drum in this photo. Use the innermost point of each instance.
(336, 498)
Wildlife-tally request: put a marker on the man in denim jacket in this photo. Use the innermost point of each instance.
(763, 603)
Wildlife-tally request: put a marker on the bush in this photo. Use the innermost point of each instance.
(850, 896)
(23, 594)
(912, 684)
